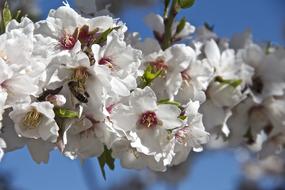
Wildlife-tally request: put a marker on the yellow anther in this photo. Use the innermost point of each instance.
(32, 119)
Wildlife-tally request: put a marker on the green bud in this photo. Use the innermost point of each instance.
(184, 4)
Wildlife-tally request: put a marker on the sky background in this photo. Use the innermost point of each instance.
(265, 18)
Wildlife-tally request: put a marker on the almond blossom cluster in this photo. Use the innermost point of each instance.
(86, 87)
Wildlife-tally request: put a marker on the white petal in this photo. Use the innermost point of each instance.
(48, 130)
(40, 150)
(124, 118)
(212, 51)
(118, 87)
(143, 100)
(173, 83)
(168, 114)
(155, 22)
(45, 108)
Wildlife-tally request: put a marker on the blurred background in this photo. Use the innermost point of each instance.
(216, 169)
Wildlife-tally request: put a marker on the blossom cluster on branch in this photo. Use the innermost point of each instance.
(86, 87)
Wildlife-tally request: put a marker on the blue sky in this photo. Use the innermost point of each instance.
(212, 169)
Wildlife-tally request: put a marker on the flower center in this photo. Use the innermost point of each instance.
(80, 74)
(185, 75)
(86, 36)
(159, 64)
(106, 61)
(110, 108)
(148, 119)
(182, 135)
(68, 41)
(32, 119)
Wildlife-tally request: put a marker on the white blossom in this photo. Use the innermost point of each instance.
(35, 121)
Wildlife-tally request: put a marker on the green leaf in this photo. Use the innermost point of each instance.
(171, 102)
(150, 74)
(186, 3)
(65, 113)
(103, 36)
(234, 83)
(106, 158)
(6, 14)
(181, 25)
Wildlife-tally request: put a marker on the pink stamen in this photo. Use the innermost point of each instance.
(185, 75)
(105, 61)
(68, 41)
(148, 119)
(159, 64)
(110, 108)
(182, 135)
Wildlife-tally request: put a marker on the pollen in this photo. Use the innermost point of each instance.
(80, 74)
(148, 119)
(32, 119)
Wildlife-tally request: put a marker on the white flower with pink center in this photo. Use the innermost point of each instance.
(191, 136)
(121, 59)
(67, 28)
(171, 62)
(145, 123)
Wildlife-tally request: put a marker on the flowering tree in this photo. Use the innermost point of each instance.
(86, 87)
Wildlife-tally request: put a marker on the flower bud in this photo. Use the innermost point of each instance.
(57, 100)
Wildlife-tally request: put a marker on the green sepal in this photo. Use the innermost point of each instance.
(65, 113)
(106, 159)
(103, 36)
(234, 82)
(150, 74)
(171, 102)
